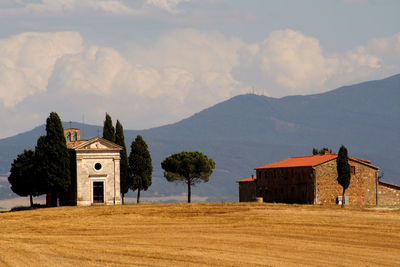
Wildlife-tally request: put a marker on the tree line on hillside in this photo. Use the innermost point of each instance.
(47, 168)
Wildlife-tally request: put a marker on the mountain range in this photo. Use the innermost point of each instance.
(250, 130)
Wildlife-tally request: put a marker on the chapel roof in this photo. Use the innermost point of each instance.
(87, 144)
(73, 144)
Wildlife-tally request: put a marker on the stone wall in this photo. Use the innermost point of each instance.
(362, 189)
(389, 195)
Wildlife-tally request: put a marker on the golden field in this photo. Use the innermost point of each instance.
(205, 234)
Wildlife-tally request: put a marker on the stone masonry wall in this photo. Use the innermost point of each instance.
(388, 195)
(362, 189)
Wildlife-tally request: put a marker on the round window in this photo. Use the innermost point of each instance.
(97, 166)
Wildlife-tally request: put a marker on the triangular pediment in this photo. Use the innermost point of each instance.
(98, 143)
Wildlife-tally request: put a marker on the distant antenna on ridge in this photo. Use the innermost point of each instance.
(83, 124)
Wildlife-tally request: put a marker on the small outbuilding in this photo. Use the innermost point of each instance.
(247, 189)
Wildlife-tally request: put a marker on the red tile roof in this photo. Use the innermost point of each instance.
(310, 161)
(250, 179)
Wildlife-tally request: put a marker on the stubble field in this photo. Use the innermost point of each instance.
(206, 234)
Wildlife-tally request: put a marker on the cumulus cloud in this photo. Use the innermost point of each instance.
(289, 62)
(187, 70)
(92, 71)
(181, 73)
(27, 61)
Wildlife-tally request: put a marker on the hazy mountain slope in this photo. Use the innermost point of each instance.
(250, 130)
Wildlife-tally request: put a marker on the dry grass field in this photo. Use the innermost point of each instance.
(209, 234)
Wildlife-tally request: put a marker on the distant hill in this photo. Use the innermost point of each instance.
(247, 131)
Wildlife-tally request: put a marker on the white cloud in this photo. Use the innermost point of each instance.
(91, 72)
(27, 61)
(168, 5)
(289, 62)
(186, 69)
(181, 73)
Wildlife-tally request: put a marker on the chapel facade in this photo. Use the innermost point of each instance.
(95, 171)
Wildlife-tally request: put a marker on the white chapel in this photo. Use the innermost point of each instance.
(95, 171)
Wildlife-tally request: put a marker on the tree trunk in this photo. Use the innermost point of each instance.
(31, 200)
(189, 192)
(122, 198)
(138, 196)
(343, 198)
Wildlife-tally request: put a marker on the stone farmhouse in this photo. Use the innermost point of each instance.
(95, 171)
(313, 180)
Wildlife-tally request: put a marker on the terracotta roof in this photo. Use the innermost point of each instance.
(250, 179)
(72, 144)
(300, 161)
(79, 144)
(310, 161)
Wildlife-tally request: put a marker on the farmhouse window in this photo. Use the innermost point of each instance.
(353, 170)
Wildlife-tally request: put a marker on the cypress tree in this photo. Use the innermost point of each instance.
(53, 157)
(124, 166)
(108, 129)
(140, 166)
(343, 170)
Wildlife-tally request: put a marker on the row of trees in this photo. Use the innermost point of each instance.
(47, 168)
(135, 171)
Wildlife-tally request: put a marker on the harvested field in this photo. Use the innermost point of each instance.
(206, 234)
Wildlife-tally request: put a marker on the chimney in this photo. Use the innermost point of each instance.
(327, 151)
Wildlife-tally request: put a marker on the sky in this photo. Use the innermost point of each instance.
(153, 62)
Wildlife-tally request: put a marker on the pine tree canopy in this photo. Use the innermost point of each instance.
(188, 167)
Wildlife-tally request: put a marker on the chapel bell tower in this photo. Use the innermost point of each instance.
(72, 134)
